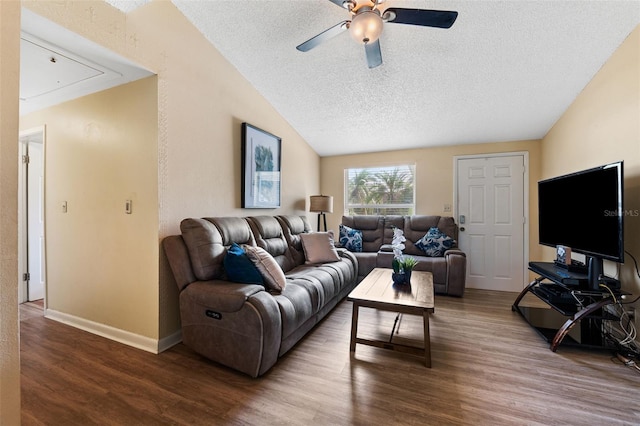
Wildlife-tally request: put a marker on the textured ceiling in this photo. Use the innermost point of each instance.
(505, 71)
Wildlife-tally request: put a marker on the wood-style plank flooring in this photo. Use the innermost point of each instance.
(489, 368)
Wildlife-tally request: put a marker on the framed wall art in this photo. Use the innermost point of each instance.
(260, 168)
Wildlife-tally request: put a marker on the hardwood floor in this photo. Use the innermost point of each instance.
(489, 368)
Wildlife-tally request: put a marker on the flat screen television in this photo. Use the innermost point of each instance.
(583, 210)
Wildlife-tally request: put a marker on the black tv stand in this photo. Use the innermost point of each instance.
(573, 303)
(574, 266)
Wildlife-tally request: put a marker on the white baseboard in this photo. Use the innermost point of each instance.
(125, 337)
(169, 341)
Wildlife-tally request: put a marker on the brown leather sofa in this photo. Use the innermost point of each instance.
(243, 326)
(449, 270)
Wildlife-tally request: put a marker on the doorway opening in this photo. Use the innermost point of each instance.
(32, 275)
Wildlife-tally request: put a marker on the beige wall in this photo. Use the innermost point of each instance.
(101, 150)
(603, 125)
(9, 342)
(202, 101)
(434, 177)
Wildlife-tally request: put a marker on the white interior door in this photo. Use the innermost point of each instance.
(31, 219)
(35, 221)
(490, 206)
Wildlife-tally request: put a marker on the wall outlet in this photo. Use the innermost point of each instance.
(64, 207)
(447, 208)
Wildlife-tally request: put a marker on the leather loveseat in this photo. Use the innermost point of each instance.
(244, 326)
(448, 269)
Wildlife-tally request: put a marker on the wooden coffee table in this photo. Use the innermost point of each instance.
(377, 291)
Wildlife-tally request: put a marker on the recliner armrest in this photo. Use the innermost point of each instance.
(223, 296)
(237, 325)
(456, 272)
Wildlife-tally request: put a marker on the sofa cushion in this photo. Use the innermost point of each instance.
(416, 226)
(205, 247)
(233, 230)
(435, 243)
(269, 235)
(372, 228)
(350, 238)
(296, 306)
(271, 272)
(240, 268)
(318, 247)
(391, 222)
(367, 261)
(292, 228)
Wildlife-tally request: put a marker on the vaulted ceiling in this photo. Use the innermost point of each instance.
(506, 70)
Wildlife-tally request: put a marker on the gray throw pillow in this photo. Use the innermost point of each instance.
(318, 247)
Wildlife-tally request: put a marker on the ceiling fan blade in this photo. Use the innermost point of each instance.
(323, 36)
(338, 3)
(423, 17)
(374, 55)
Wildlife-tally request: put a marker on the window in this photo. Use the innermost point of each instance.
(380, 190)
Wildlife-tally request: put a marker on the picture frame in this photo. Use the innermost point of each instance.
(261, 168)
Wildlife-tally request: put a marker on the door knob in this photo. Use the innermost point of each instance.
(462, 229)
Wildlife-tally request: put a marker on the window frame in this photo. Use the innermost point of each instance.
(348, 206)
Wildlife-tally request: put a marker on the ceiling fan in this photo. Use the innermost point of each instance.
(367, 21)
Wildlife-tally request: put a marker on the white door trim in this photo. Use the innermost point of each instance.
(22, 220)
(525, 155)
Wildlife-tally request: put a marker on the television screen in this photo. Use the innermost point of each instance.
(583, 210)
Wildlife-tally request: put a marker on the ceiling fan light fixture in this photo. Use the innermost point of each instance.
(366, 26)
(349, 5)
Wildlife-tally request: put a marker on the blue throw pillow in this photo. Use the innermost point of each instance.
(240, 268)
(350, 238)
(435, 243)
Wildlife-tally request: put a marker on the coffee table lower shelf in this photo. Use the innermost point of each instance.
(424, 352)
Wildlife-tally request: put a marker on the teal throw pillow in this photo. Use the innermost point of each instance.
(350, 238)
(435, 243)
(240, 268)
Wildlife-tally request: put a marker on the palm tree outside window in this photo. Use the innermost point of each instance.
(380, 190)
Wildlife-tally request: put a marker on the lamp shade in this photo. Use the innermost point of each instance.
(321, 203)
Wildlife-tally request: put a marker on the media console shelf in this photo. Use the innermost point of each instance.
(562, 291)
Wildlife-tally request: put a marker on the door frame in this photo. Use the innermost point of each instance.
(23, 233)
(525, 197)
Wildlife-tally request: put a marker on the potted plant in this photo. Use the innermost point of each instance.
(402, 265)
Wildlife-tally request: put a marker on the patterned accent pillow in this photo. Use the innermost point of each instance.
(274, 279)
(435, 243)
(350, 238)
